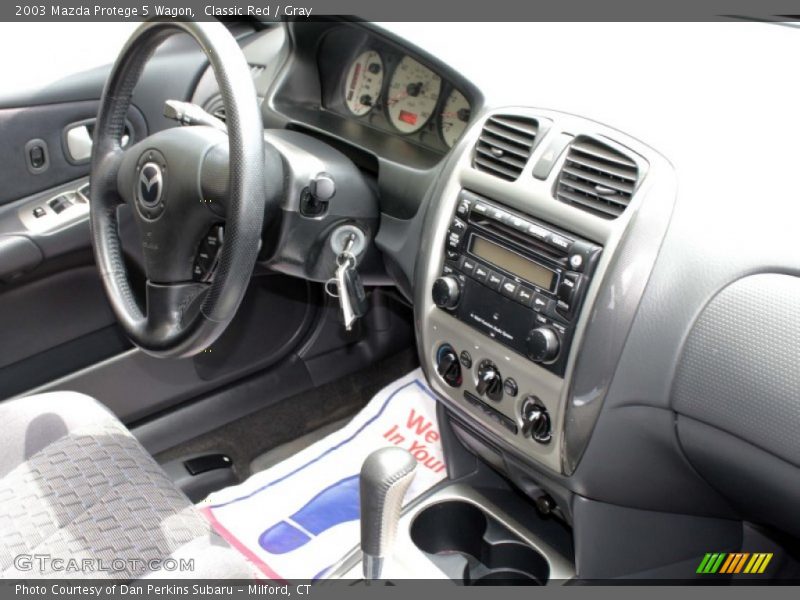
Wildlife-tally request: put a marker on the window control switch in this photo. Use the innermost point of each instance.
(59, 203)
(209, 462)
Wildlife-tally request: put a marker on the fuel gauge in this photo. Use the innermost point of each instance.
(363, 84)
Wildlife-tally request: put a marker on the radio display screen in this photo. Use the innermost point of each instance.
(512, 262)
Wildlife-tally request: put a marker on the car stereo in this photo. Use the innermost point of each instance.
(519, 281)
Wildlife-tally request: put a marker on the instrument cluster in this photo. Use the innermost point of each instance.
(379, 84)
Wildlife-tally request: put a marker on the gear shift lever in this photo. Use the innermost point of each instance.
(385, 477)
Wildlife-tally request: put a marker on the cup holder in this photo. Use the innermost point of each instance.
(473, 547)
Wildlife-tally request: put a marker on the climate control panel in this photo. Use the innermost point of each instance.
(483, 387)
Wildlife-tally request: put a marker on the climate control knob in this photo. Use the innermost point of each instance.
(446, 292)
(490, 382)
(536, 420)
(543, 344)
(447, 365)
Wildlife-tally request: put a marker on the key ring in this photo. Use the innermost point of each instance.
(332, 284)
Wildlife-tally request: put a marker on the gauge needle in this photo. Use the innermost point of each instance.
(419, 88)
(400, 96)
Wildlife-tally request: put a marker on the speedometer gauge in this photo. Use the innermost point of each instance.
(455, 117)
(413, 93)
(363, 83)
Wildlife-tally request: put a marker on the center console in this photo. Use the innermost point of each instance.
(519, 235)
(458, 535)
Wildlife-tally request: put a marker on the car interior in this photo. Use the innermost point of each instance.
(216, 251)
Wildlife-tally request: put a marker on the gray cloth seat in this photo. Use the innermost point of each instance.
(75, 485)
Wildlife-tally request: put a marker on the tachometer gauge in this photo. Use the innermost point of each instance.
(455, 117)
(413, 92)
(363, 84)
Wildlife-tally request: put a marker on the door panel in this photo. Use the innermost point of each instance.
(54, 317)
(23, 130)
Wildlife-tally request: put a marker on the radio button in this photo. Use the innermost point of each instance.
(462, 209)
(494, 280)
(537, 231)
(509, 288)
(480, 273)
(481, 208)
(458, 226)
(500, 215)
(581, 255)
(540, 302)
(446, 292)
(518, 224)
(452, 255)
(525, 296)
(467, 265)
(559, 241)
(564, 309)
(543, 345)
(567, 287)
(453, 240)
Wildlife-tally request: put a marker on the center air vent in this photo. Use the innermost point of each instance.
(597, 178)
(505, 145)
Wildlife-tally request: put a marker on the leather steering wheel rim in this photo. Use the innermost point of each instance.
(182, 317)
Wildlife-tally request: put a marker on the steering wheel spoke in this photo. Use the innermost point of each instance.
(171, 307)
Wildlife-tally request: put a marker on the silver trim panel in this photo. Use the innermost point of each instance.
(535, 198)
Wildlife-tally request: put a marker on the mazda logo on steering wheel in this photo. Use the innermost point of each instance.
(151, 185)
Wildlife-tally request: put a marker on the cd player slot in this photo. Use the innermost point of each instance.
(524, 241)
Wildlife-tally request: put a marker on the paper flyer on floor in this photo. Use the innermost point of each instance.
(298, 518)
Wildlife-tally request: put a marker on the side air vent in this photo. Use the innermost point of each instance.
(597, 178)
(505, 145)
(216, 107)
(256, 70)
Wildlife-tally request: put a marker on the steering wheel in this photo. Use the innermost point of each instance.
(179, 183)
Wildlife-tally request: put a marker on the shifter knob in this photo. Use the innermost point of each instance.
(385, 477)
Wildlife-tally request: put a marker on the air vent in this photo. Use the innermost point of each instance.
(505, 145)
(256, 70)
(597, 178)
(216, 107)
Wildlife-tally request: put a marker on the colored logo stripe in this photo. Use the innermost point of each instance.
(734, 562)
(758, 563)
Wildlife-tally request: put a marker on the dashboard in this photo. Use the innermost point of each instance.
(647, 355)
